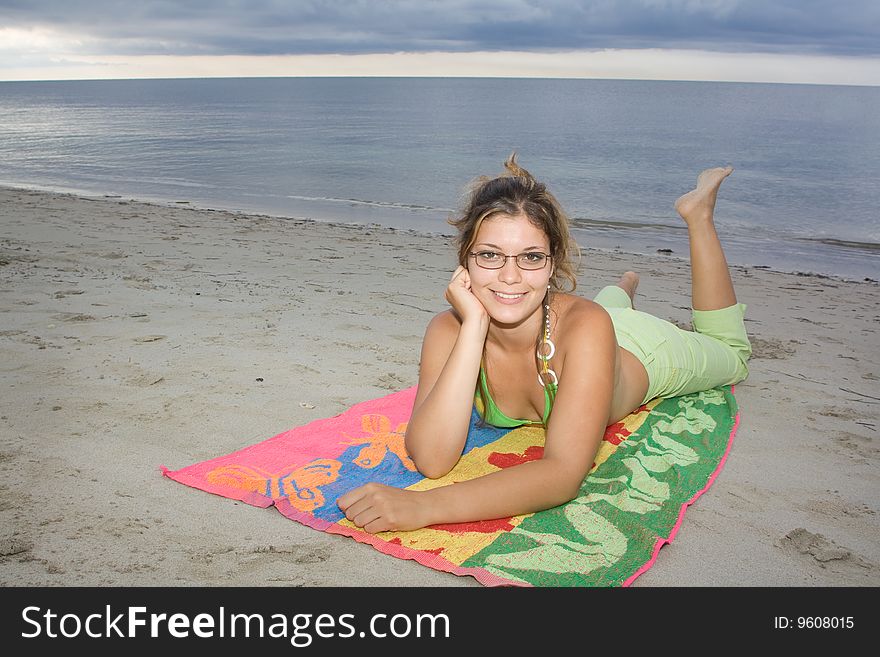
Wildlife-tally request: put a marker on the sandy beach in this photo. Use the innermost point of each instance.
(136, 335)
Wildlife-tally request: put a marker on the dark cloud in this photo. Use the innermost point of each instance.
(375, 26)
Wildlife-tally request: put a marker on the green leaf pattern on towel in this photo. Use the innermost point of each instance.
(637, 492)
(603, 545)
(635, 497)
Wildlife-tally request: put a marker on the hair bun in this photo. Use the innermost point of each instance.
(515, 169)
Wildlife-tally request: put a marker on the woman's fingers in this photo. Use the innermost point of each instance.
(376, 526)
(460, 280)
(363, 504)
(377, 507)
(344, 502)
(358, 507)
(461, 276)
(365, 517)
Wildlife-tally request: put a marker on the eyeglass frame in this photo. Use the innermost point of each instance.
(547, 257)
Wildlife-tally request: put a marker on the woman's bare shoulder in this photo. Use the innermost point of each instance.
(439, 341)
(573, 311)
(580, 320)
(446, 321)
(443, 328)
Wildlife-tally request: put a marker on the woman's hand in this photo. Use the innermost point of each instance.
(463, 301)
(376, 507)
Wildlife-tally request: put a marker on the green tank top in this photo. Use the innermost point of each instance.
(496, 418)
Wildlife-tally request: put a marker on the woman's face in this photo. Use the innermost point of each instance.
(509, 294)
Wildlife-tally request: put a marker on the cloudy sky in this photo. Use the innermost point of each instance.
(812, 41)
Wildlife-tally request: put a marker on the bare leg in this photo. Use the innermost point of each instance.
(628, 283)
(711, 287)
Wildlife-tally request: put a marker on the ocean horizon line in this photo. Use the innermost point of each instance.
(444, 77)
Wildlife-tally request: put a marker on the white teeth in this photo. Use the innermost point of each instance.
(509, 296)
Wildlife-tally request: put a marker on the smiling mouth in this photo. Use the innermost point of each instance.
(504, 295)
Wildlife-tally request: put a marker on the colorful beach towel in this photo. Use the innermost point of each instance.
(649, 468)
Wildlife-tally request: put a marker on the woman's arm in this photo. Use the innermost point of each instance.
(448, 371)
(577, 424)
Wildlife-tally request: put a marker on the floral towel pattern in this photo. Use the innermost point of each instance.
(649, 468)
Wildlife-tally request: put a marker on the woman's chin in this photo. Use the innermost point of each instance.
(510, 315)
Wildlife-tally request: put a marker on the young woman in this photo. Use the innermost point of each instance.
(526, 352)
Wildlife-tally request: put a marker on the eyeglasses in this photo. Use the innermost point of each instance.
(530, 260)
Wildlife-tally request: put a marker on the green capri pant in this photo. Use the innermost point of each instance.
(679, 362)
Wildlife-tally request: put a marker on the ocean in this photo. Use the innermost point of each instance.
(805, 195)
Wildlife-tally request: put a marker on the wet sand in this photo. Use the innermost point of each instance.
(136, 335)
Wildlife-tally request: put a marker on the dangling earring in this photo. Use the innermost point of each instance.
(546, 349)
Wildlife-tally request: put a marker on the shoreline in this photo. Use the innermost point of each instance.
(137, 335)
(596, 230)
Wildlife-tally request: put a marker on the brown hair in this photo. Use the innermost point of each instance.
(516, 192)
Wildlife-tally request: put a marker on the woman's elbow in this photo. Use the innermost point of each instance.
(566, 492)
(427, 460)
(431, 468)
(428, 465)
(439, 473)
(568, 482)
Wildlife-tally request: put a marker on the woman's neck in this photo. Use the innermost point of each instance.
(514, 338)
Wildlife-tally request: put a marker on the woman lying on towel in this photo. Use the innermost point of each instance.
(526, 352)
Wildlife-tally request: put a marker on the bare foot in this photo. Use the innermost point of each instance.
(628, 283)
(699, 204)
